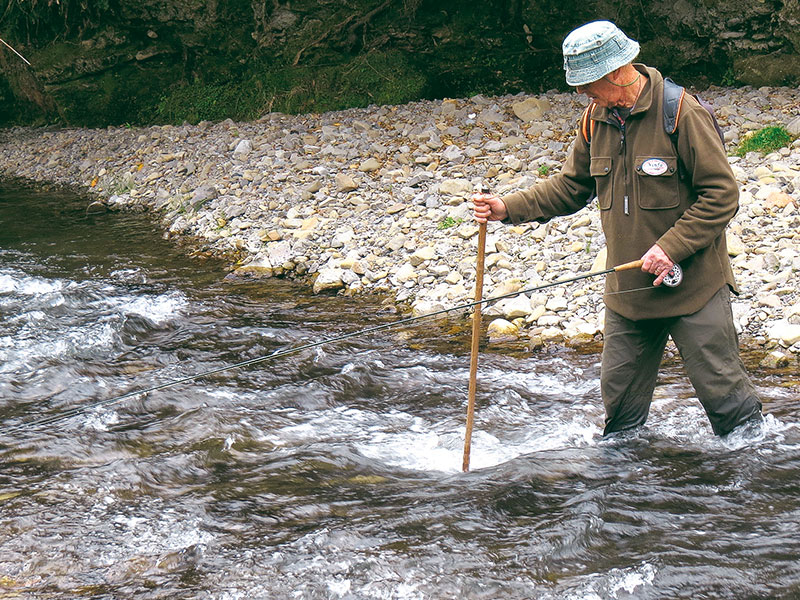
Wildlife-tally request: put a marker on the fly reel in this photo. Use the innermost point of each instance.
(674, 277)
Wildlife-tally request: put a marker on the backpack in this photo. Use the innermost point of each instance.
(673, 102)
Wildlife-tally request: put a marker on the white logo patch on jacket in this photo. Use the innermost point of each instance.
(654, 166)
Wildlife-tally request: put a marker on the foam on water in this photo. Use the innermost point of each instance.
(399, 439)
(17, 282)
(617, 583)
(158, 309)
(40, 331)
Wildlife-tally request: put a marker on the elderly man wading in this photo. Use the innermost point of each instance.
(660, 201)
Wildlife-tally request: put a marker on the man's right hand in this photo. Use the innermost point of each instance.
(488, 207)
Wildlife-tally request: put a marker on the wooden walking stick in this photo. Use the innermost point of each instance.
(476, 332)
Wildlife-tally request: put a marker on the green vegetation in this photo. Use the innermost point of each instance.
(448, 222)
(543, 170)
(372, 78)
(768, 139)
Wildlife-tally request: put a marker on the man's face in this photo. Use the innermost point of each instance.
(604, 93)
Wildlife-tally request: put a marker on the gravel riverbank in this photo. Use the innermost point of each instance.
(377, 200)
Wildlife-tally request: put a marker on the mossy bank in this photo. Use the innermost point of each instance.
(153, 62)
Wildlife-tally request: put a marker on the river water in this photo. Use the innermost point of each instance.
(334, 472)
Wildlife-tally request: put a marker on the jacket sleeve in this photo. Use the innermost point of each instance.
(562, 194)
(712, 180)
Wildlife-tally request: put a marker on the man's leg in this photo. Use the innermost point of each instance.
(632, 352)
(709, 346)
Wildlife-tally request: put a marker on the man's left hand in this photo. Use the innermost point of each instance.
(657, 262)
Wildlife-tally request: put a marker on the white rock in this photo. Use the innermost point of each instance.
(734, 243)
(369, 166)
(516, 307)
(243, 149)
(785, 332)
(426, 307)
(329, 279)
(502, 330)
(557, 304)
(405, 273)
(422, 255)
(345, 183)
(455, 187)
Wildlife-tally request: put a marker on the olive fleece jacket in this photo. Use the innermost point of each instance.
(648, 194)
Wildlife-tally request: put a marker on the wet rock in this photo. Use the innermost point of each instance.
(501, 330)
(259, 267)
(328, 279)
(776, 359)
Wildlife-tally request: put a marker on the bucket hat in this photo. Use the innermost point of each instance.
(593, 50)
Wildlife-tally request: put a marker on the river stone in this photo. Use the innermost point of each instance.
(369, 166)
(203, 194)
(422, 255)
(491, 115)
(778, 200)
(531, 109)
(426, 307)
(557, 304)
(279, 253)
(495, 146)
(405, 273)
(734, 244)
(551, 335)
(343, 238)
(345, 183)
(775, 360)
(396, 242)
(784, 332)
(455, 187)
(260, 266)
(328, 279)
(793, 127)
(516, 307)
(501, 330)
(243, 149)
(97, 208)
(453, 154)
(467, 231)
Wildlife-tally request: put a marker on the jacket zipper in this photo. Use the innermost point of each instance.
(622, 150)
(619, 124)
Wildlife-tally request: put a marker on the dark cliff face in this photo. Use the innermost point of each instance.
(149, 61)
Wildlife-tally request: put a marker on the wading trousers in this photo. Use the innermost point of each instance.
(709, 346)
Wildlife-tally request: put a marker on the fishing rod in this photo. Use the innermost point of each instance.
(675, 279)
(6, 44)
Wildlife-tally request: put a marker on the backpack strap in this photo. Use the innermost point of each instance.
(587, 124)
(673, 102)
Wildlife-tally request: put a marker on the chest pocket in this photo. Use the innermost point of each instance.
(656, 185)
(600, 169)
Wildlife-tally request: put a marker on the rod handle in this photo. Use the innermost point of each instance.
(636, 264)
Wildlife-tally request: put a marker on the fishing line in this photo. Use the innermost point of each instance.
(84, 408)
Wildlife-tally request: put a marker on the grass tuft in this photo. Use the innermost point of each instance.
(766, 140)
